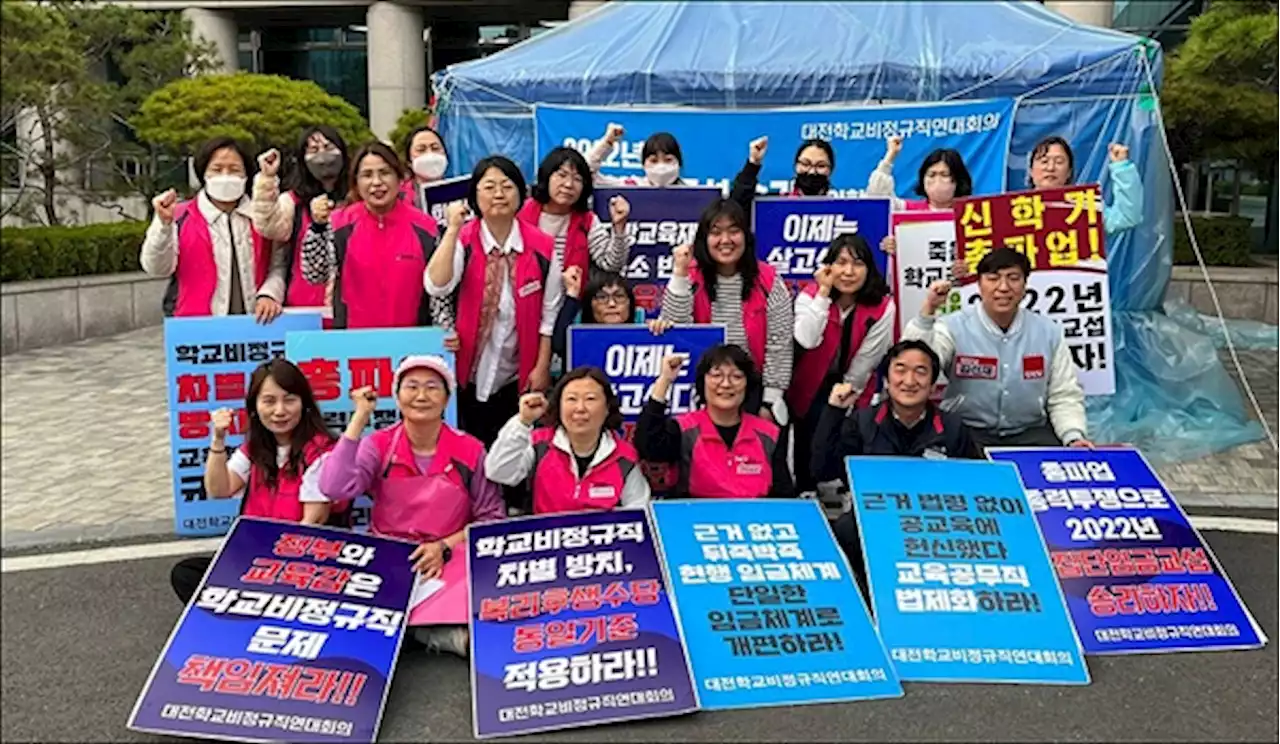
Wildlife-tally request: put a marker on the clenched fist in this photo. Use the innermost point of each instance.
(825, 276)
(221, 420)
(892, 147)
(1118, 152)
(366, 400)
(321, 208)
(671, 366)
(757, 149)
(619, 211)
(613, 133)
(269, 163)
(164, 205)
(532, 407)
(683, 256)
(938, 292)
(841, 395)
(573, 282)
(456, 214)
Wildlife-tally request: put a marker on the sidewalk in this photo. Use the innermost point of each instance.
(85, 445)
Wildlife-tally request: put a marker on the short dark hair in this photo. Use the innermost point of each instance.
(955, 163)
(377, 149)
(1004, 258)
(541, 191)
(407, 144)
(507, 168)
(725, 354)
(660, 143)
(306, 186)
(904, 346)
(211, 146)
(748, 265)
(874, 289)
(1043, 146)
(598, 284)
(612, 420)
(821, 144)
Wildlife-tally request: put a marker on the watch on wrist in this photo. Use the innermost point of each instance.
(446, 551)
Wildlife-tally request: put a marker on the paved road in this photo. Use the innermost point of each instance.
(79, 642)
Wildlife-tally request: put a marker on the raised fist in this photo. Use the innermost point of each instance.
(619, 210)
(321, 208)
(221, 420)
(164, 205)
(683, 255)
(269, 163)
(757, 149)
(532, 407)
(613, 133)
(573, 282)
(671, 366)
(938, 292)
(841, 395)
(1118, 152)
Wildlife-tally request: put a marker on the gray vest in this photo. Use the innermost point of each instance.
(998, 380)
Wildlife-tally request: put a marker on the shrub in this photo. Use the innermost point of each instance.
(1224, 240)
(51, 252)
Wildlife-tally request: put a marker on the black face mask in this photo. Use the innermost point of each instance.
(813, 184)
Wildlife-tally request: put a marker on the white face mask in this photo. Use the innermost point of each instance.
(224, 188)
(662, 174)
(430, 165)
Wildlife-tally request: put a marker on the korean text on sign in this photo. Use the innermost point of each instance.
(294, 630)
(768, 607)
(208, 362)
(1053, 228)
(792, 234)
(960, 580)
(571, 624)
(1137, 575)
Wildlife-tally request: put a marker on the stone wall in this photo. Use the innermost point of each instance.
(1247, 294)
(50, 312)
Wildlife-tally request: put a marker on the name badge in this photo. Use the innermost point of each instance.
(1033, 367)
(977, 367)
(530, 288)
(600, 492)
(750, 468)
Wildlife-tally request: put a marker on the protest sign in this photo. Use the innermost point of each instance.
(1138, 577)
(714, 141)
(768, 606)
(208, 362)
(660, 220)
(959, 578)
(792, 233)
(1060, 232)
(571, 624)
(337, 362)
(926, 248)
(292, 636)
(439, 195)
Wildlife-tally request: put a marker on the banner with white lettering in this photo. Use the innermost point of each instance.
(793, 233)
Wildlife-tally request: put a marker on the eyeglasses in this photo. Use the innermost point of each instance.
(818, 167)
(718, 376)
(610, 298)
(430, 386)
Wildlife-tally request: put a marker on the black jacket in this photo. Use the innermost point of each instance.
(875, 431)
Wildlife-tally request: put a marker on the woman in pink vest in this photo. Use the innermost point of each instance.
(560, 205)
(720, 280)
(723, 450)
(509, 291)
(942, 179)
(425, 154)
(375, 250)
(319, 169)
(427, 482)
(218, 263)
(277, 469)
(577, 462)
(844, 326)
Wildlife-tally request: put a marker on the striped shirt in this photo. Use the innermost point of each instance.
(608, 249)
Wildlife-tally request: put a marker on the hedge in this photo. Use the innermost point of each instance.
(1224, 240)
(52, 252)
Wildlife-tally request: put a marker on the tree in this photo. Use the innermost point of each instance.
(74, 75)
(259, 110)
(410, 119)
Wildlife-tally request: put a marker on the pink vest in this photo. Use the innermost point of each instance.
(302, 293)
(531, 268)
(413, 505)
(197, 271)
(556, 487)
(715, 471)
(812, 365)
(381, 262)
(576, 252)
(755, 309)
(282, 501)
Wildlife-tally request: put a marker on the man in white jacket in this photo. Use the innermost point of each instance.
(1011, 377)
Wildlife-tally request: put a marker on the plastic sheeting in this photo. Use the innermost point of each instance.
(1092, 86)
(1245, 335)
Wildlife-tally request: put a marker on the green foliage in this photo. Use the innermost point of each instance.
(409, 120)
(52, 252)
(1224, 241)
(259, 110)
(1220, 89)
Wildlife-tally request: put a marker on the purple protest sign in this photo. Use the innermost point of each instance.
(293, 634)
(571, 625)
(439, 195)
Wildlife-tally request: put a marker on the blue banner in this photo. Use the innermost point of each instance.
(439, 195)
(571, 624)
(1137, 575)
(660, 220)
(768, 606)
(337, 362)
(793, 233)
(959, 577)
(208, 362)
(292, 636)
(714, 142)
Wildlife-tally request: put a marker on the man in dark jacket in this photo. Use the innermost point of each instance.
(907, 424)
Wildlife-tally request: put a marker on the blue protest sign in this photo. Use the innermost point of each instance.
(768, 606)
(792, 233)
(208, 362)
(714, 141)
(292, 636)
(959, 578)
(1137, 575)
(337, 362)
(439, 195)
(660, 220)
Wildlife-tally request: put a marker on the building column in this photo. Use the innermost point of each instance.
(220, 28)
(1093, 12)
(582, 7)
(397, 63)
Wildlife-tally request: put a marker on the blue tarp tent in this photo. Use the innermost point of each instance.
(1093, 86)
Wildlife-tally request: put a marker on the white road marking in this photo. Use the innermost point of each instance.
(1235, 524)
(109, 555)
